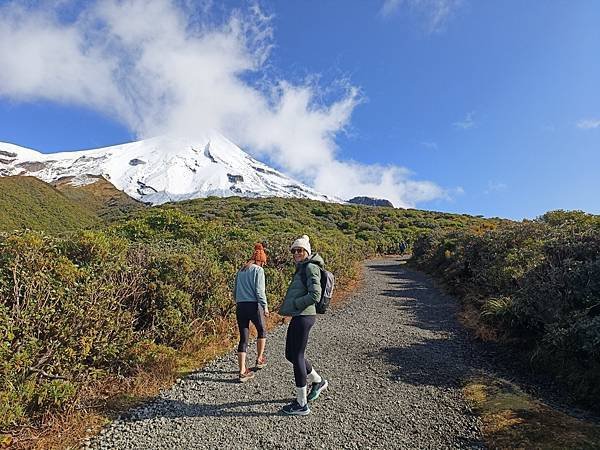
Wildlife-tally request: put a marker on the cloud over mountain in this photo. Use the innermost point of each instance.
(162, 66)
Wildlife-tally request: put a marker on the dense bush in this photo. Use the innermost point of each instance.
(537, 284)
(62, 316)
(71, 309)
(382, 229)
(77, 307)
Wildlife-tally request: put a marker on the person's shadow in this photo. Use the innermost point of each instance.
(229, 376)
(172, 409)
(217, 376)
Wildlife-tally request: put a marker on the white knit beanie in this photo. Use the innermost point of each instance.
(303, 242)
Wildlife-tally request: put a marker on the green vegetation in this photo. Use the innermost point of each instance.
(533, 285)
(99, 197)
(26, 202)
(78, 308)
(30, 203)
(127, 285)
(382, 229)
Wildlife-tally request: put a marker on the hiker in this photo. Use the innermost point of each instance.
(402, 247)
(299, 302)
(251, 306)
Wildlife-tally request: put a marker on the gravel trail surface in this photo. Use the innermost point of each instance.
(394, 356)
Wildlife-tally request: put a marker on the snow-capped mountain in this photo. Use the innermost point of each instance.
(162, 169)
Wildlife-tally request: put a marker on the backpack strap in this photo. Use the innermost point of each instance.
(304, 276)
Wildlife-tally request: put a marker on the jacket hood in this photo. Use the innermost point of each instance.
(315, 258)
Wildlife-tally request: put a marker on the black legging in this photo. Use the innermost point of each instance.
(295, 346)
(247, 312)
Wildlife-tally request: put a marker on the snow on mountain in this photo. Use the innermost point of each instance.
(162, 169)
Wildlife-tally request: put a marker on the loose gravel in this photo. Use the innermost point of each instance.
(394, 356)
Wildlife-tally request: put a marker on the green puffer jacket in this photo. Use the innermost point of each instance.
(298, 301)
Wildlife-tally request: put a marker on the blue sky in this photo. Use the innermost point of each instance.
(474, 107)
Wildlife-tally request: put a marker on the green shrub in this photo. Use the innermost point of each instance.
(78, 307)
(536, 282)
(60, 318)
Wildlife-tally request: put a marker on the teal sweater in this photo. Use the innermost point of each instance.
(250, 286)
(300, 301)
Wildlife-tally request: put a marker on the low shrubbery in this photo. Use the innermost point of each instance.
(381, 229)
(74, 309)
(78, 308)
(535, 285)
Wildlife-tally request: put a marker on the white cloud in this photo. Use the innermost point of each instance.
(390, 182)
(466, 123)
(494, 186)
(164, 66)
(434, 13)
(42, 60)
(588, 124)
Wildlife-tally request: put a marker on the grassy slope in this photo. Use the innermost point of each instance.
(27, 202)
(294, 215)
(101, 197)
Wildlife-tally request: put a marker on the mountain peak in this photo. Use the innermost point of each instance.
(162, 169)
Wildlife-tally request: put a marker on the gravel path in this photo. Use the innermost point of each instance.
(394, 356)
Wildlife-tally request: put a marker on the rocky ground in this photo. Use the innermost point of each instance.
(394, 356)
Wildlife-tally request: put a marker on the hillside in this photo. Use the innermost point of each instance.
(384, 228)
(100, 196)
(155, 280)
(26, 202)
(370, 201)
(142, 289)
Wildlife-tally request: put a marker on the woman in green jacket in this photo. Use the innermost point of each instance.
(299, 303)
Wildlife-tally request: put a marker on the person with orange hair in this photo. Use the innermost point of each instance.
(251, 306)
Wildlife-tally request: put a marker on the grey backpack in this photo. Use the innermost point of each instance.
(327, 284)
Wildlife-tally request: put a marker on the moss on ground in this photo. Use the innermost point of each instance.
(512, 419)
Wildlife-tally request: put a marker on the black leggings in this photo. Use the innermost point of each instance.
(247, 312)
(295, 346)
